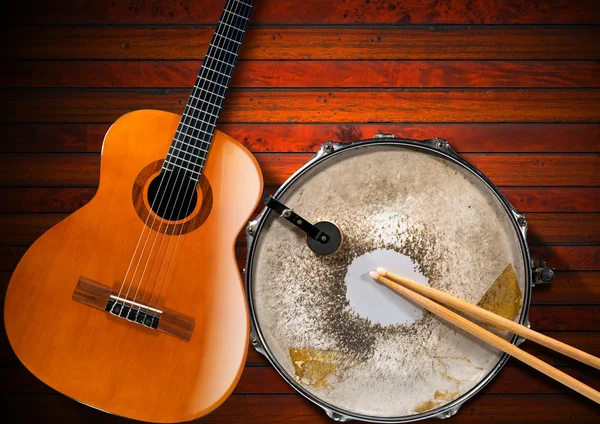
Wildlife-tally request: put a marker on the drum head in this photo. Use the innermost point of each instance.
(353, 345)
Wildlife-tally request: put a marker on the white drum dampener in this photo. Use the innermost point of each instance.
(351, 345)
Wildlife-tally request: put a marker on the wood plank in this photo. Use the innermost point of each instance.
(565, 318)
(525, 199)
(542, 170)
(294, 409)
(45, 199)
(316, 106)
(533, 170)
(565, 228)
(544, 228)
(569, 258)
(587, 341)
(277, 12)
(579, 287)
(464, 138)
(576, 288)
(304, 74)
(314, 43)
(265, 380)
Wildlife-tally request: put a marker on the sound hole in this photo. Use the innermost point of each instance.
(172, 195)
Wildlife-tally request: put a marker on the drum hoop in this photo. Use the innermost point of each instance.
(434, 146)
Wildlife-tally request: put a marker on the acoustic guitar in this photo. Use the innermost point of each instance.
(134, 304)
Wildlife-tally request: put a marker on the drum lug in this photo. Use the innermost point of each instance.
(336, 416)
(449, 412)
(256, 344)
(542, 273)
(251, 230)
(521, 221)
(441, 145)
(326, 148)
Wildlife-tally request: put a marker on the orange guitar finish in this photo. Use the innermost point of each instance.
(106, 361)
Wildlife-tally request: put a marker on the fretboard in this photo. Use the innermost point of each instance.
(191, 142)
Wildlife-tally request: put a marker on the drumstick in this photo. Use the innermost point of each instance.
(490, 338)
(494, 320)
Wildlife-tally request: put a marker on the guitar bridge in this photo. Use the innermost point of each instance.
(105, 299)
(133, 311)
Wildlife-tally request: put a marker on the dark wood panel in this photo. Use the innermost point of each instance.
(534, 170)
(314, 43)
(525, 199)
(265, 380)
(464, 138)
(578, 287)
(544, 228)
(588, 341)
(309, 12)
(567, 228)
(569, 258)
(303, 74)
(316, 106)
(293, 409)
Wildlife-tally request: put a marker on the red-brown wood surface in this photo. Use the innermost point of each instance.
(513, 85)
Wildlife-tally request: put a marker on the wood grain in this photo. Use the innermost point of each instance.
(314, 43)
(276, 12)
(304, 74)
(534, 170)
(524, 199)
(464, 138)
(317, 106)
(265, 380)
(297, 410)
(544, 228)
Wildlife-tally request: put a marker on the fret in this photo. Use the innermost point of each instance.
(233, 13)
(243, 2)
(219, 60)
(201, 110)
(180, 158)
(186, 152)
(209, 92)
(194, 128)
(195, 178)
(214, 70)
(203, 101)
(208, 88)
(193, 137)
(223, 36)
(231, 26)
(197, 129)
(189, 145)
(220, 48)
(213, 82)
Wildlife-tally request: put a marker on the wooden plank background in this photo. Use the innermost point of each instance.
(513, 85)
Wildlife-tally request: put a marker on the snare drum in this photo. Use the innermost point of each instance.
(347, 343)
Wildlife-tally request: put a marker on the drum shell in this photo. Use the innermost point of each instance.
(437, 147)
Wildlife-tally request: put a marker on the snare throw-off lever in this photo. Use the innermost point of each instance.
(323, 237)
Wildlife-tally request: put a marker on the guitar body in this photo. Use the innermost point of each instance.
(104, 360)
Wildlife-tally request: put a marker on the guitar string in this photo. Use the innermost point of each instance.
(223, 39)
(171, 173)
(220, 56)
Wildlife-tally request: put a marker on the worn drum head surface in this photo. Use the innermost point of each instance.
(352, 343)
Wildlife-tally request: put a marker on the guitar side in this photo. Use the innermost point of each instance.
(106, 361)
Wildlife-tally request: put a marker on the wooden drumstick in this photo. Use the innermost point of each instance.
(493, 319)
(490, 338)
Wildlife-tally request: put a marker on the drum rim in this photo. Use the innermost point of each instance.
(437, 147)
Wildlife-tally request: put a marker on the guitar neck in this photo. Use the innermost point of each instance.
(191, 143)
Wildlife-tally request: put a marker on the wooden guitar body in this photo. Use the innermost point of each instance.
(104, 360)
